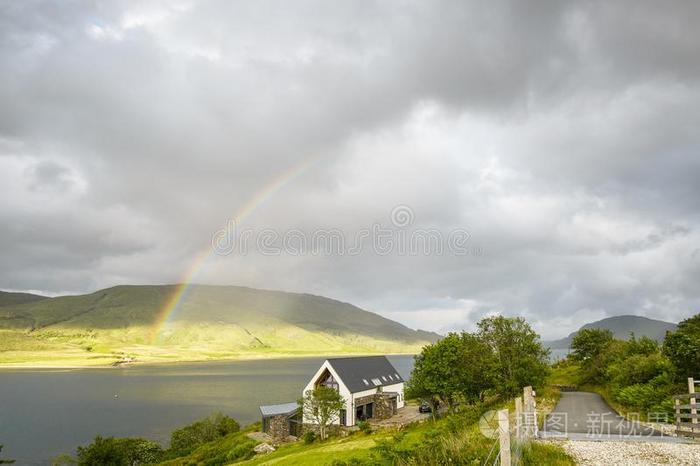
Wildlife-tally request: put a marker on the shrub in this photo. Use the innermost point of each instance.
(682, 347)
(186, 439)
(364, 427)
(638, 369)
(232, 448)
(119, 451)
(537, 454)
(309, 437)
(640, 396)
(352, 462)
(435, 446)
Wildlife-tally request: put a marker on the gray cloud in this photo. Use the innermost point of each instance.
(562, 135)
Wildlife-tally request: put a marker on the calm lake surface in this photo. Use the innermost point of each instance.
(44, 413)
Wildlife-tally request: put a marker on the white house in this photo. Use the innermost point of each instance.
(371, 387)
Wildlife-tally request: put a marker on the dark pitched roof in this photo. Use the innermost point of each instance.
(364, 373)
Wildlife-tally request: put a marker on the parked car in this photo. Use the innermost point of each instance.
(425, 407)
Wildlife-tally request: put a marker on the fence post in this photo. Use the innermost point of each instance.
(504, 437)
(530, 423)
(678, 416)
(691, 401)
(518, 419)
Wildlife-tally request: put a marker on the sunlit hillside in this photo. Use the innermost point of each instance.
(209, 322)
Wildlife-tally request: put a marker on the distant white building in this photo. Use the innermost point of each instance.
(371, 387)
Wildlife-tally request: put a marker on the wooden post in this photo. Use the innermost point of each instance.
(504, 437)
(529, 410)
(678, 417)
(518, 419)
(691, 400)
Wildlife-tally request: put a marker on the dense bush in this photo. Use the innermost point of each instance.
(309, 437)
(638, 369)
(186, 439)
(226, 450)
(639, 375)
(435, 446)
(682, 347)
(364, 427)
(119, 452)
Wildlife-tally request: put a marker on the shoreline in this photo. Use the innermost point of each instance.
(246, 357)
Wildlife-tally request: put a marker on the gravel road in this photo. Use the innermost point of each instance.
(610, 453)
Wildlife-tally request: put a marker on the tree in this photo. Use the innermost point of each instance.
(682, 347)
(521, 359)
(2, 461)
(457, 368)
(119, 452)
(322, 406)
(589, 343)
(644, 346)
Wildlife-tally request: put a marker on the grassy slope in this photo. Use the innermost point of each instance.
(211, 323)
(359, 446)
(7, 298)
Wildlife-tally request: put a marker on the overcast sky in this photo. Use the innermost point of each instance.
(562, 136)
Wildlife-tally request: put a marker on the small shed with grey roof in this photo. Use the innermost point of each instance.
(281, 420)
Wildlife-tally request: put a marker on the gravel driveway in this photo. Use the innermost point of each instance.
(611, 453)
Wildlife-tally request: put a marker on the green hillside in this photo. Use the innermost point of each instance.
(622, 326)
(211, 322)
(9, 299)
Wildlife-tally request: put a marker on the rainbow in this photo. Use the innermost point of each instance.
(169, 309)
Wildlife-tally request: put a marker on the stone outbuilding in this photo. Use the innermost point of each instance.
(281, 421)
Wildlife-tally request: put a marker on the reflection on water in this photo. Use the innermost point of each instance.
(47, 412)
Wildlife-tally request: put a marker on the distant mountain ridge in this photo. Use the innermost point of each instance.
(210, 322)
(8, 298)
(622, 326)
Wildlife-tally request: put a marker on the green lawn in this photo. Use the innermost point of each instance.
(564, 374)
(357, 446)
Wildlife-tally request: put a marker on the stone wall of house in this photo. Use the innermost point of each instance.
(383, 406)
(333, 429)
(279, 427)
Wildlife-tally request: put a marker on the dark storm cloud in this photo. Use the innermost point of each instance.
(562, 135)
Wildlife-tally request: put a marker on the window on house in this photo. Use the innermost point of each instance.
(365, 382)
(376, 382)
(397, 375)
(384, 377)
(328, 380)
